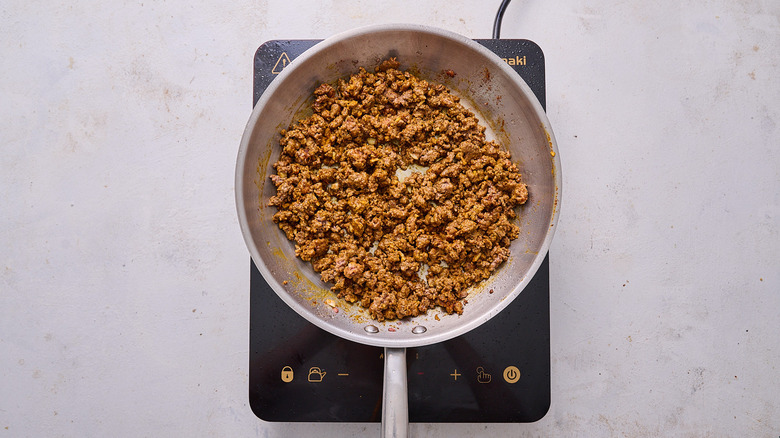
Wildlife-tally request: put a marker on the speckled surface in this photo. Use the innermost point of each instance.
(124, 280)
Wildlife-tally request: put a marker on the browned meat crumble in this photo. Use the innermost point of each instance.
(373, 234)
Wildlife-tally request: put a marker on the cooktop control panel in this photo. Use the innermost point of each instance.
(496, 373)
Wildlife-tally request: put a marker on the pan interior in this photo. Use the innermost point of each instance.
(487, 86)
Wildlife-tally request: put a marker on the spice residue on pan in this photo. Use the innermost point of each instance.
(391, 190)
(549, 142)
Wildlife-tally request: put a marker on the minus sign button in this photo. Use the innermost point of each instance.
(343, 374)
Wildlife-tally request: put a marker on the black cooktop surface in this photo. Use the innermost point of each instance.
(496, 373)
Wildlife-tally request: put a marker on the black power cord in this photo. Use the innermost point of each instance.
(499, 17)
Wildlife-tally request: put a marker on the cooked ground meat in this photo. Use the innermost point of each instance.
(394, 195)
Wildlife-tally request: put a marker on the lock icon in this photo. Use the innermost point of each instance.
(287, 374)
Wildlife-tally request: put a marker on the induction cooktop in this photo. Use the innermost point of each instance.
(496, 373)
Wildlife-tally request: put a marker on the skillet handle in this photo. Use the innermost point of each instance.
(395, 398)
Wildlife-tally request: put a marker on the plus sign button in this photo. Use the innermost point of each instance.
(511, 374)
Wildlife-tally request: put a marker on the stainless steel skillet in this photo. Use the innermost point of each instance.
(492, 90)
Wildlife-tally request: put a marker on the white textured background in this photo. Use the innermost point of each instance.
(124, 280)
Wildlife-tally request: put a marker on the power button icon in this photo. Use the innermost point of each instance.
(511, 374)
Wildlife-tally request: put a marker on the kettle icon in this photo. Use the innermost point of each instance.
(287, 374)
(316, 374)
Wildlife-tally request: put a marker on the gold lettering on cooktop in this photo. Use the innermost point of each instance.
(517, 60)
